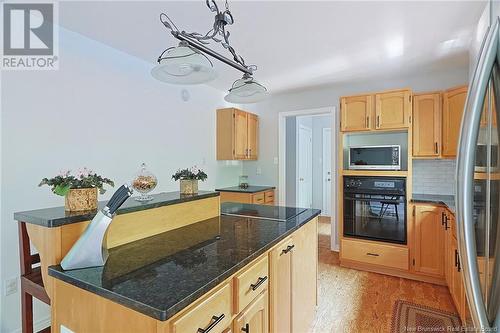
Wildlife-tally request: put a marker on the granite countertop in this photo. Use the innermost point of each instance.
(440, 199)
(161, 275)
(249, 189)
(57, 216)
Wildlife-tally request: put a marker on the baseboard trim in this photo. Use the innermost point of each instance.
(37, 325)
(392, 272)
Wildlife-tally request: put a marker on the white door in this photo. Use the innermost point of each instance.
(304, 169)
(327, 172)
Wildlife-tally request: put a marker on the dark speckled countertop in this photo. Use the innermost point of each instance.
(444, 200)
(160, 275)
(249, 189)
(57, 216)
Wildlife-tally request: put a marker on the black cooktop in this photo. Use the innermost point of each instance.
(275, 213)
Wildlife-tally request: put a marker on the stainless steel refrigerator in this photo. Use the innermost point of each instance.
(478, 177)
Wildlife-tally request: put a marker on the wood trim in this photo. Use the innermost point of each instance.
(392, 272)
(373, 173)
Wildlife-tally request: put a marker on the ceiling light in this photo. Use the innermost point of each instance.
(395, 47)
(188, 63)
(183, 65)
(246, 90)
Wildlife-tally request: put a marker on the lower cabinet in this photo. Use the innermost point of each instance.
(255, 318)
(456, 285)
(429, 240)
(258, 198)
(293, 285)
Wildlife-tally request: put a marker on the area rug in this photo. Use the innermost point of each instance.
(410, 317)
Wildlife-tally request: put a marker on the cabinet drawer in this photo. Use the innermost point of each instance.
(250, 283)
(207, 313)
(258, 198)
(269, 196)
(376, 254)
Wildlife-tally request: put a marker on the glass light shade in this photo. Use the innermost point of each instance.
(246, 90)
(184, 65)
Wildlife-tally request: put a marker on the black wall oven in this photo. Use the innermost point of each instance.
(375, 208)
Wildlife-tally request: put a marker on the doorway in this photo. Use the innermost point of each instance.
(304, 177)
(327, 171)
(307, 148)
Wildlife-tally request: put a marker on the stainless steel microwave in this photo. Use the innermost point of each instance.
(386, 157)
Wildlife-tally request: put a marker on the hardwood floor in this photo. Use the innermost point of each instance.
(358, 302)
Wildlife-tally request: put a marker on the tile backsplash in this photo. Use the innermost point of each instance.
(434, 176)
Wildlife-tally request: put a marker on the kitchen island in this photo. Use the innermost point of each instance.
(210, 274)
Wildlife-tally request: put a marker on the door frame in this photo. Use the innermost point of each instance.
(325, 190)
(297, 150)
(335, 120)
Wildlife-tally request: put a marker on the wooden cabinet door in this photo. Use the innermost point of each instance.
(255, 318)
(356, 112)
(240, 134)
(448, 259)
(429, 241)
(304, 276)
(457, 288)
(392, 109)
(253, 134)
(453, 108)
(280, 284)
(427, 125)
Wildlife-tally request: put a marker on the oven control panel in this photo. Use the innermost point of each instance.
(375, 184)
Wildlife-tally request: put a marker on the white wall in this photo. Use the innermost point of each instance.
(101, 109)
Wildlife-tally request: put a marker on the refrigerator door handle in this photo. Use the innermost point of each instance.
(465, 176)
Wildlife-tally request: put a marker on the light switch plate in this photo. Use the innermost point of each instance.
(64, 329)
(10, 286)
(259, 171)
(276, 160)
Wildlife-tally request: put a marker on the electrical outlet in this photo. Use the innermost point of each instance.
(10, 286)
(259, 171)
(276, 160)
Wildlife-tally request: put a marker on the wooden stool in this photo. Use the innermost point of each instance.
(31, 281)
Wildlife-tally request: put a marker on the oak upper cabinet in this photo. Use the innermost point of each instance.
(453, 108)
(393, 109)
(293, 284)
(252, 135)
(429, 241)
(356, 113)
(237, 135)
(427, 125)
(255, 318)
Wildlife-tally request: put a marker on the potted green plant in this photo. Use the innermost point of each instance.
(189, 179)
(80, 190)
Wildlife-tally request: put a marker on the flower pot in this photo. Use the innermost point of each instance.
(189, 186)
(81, 199)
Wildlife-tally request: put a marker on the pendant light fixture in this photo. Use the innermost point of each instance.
(188, 63)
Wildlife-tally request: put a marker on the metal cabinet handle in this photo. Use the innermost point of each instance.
(465, 175)
(446, 218)
(457, 261)
(367, 122)
(378, 121)
(442, 217)
(260, 281)
(288, 249)
(372, 254)
(246, 329)
(215, 321)
(436, 147)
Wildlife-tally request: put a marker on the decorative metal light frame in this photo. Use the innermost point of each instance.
(218, 34)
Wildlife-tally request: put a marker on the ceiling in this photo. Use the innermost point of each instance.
(296, 44)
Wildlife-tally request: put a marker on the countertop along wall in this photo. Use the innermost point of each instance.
(102, 109)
